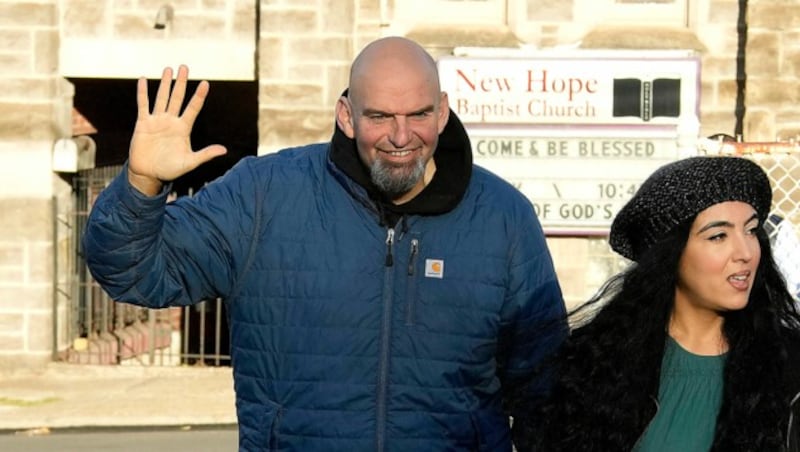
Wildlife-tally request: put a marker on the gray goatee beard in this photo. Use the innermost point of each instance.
(395, 181)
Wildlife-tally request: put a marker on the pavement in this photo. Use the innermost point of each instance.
(77, 396)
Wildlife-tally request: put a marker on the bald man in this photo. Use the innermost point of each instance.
(383, 293)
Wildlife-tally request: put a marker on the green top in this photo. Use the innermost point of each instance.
(689, 397)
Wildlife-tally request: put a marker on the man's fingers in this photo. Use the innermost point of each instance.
(178, 91)
(142, 99)
(162, 96)
(196, 103)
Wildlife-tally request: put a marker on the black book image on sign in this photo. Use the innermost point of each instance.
(647, 99)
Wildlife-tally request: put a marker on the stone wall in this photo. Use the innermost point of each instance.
(34, 111)
(303, 49)
(123, 39)
(773, 71)
(304, 54)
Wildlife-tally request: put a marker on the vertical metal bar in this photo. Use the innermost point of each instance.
(54, 341)
(89, 307)
(185, 351)
(217, 332)
(741, 71)
(82, 271)
(203, 305)
(151, 340)
(89, 281)
(105, 309)
(119, 325)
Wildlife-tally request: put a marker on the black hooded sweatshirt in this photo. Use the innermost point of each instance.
(453, 157)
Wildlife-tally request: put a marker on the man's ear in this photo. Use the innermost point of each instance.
(444, 111)
(344, 117)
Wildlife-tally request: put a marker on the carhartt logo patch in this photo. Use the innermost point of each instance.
(434, 268)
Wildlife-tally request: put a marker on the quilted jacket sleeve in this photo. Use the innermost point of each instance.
(144, 251)
(534, 319)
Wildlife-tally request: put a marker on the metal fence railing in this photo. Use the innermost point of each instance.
(783, 225)
(98, 330)
(781, 161)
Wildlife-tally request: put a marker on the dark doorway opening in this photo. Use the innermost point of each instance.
(229, 117)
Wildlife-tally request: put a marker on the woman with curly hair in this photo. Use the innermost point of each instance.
(695, 346)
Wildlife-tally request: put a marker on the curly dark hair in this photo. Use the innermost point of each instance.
(608, 370)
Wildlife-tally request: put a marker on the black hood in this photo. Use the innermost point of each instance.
(453, 157)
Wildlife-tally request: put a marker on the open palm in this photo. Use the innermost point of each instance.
(161, 150)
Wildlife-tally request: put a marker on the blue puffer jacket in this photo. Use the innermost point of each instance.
(345, 335)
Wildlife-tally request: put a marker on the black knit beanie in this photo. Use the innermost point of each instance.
(679, 191)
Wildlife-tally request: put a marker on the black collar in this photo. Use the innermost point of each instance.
(453, 157)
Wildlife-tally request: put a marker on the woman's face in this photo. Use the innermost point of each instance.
(718, 266)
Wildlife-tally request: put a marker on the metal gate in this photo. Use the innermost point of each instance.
(99, 330)
(782, 164)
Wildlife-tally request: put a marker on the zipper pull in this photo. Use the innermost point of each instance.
(412, 260)
(389, 244)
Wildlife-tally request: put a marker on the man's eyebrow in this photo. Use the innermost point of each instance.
(374, 111)
(426, 109)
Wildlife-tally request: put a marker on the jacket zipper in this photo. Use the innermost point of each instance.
(383, 365)
(412, 260)
(389, 245)
(411, 298)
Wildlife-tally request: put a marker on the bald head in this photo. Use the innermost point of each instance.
(387, 56)
(394, 110)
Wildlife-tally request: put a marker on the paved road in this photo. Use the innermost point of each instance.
(144, 440)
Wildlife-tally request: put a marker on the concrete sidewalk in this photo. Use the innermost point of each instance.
(61, 396)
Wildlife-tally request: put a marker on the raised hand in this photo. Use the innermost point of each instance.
(160, 149)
